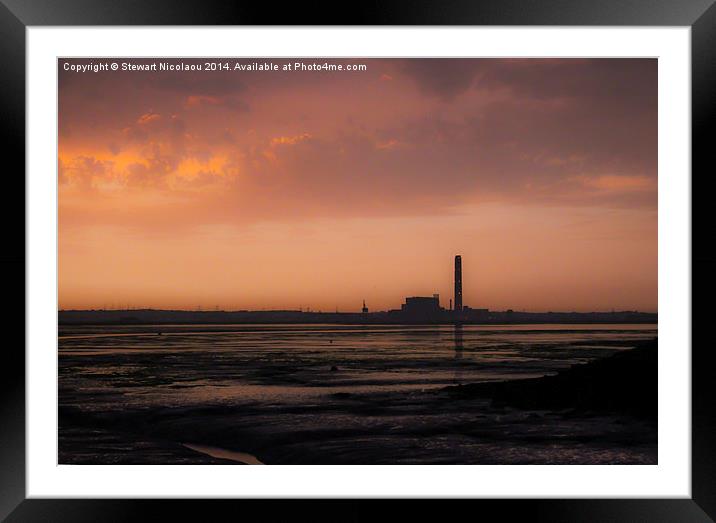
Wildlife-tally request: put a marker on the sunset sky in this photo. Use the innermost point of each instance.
(266, 190)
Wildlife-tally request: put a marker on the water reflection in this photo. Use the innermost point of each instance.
(458, 341)
(459, 347)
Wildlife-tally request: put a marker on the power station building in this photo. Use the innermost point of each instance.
(422, 306)
(425, 308)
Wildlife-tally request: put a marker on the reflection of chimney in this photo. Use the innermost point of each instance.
(458, 283)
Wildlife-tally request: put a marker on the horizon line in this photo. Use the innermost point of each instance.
(321, 311)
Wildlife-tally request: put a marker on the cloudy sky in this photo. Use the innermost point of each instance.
(320, 189)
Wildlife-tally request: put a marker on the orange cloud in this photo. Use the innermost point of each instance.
(147, 118)
(290, 140)
(389, 144)
(197, 100)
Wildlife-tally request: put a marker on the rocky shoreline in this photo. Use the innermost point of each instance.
(623, 383)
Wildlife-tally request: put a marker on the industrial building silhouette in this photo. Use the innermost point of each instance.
(427, 308)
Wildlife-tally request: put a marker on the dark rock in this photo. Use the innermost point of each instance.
(623, 383)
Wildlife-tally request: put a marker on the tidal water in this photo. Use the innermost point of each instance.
(329, 394)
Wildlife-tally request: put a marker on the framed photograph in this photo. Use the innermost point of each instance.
(442, 254)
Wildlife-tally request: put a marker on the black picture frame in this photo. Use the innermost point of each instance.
(17, 15)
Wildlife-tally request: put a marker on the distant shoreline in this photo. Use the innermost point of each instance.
(483, 317)
(372, 324)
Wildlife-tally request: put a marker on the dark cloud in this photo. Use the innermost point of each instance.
(219, 102)
(623, 81)
(445, 78)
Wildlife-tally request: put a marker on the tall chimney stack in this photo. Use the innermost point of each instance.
(458, 283)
